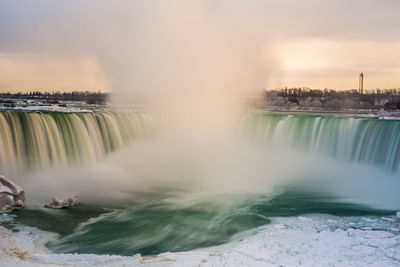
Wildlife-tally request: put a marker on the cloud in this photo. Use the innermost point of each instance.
(320, 63)
(127, 38)
(46, 73)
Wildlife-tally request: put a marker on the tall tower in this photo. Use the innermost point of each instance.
(361, 83)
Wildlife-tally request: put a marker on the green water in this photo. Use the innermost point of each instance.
(370, 141)
(165, 225)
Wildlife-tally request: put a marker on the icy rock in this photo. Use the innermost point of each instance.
(398, 214)
(11, 195)
(60, 204)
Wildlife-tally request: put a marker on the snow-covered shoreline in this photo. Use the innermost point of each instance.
(47, 108)
(313, 240)
(357, 114)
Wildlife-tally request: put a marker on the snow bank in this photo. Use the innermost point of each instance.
(52, 108)
(314, 240)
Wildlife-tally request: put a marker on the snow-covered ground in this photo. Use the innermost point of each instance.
(49, 108)
(312, 240)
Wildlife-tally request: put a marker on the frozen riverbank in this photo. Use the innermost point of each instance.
(314, 240)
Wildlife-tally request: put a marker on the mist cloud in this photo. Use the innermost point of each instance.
(129, 37)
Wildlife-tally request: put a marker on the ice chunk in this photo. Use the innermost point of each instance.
(66, 203)
(11, 195)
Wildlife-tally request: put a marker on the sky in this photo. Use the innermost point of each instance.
(107, 45)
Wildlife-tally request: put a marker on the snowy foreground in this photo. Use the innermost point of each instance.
(313, 240)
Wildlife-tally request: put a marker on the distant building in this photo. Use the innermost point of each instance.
(380, 101)
(361, 83)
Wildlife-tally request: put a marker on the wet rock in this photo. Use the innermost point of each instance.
(11, 195)
(60, 204)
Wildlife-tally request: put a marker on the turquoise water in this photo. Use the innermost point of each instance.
(371, 141)
(162, 225)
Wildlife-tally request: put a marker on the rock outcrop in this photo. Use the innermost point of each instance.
(11, 195)
(60, 204)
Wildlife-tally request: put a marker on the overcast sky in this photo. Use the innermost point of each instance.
(103, 45)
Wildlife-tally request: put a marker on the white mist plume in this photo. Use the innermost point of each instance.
(194, 66)
(189, 62)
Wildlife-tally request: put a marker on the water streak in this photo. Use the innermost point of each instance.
(31, 140)
(371, 141)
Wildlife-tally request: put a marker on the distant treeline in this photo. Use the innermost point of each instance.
(306, 98)
(88, 97)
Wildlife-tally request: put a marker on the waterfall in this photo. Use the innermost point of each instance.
(32, 140)
(370, 141)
